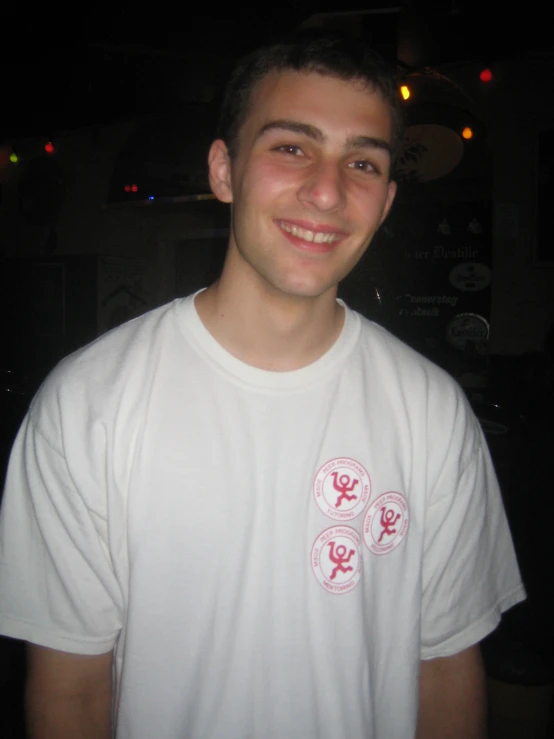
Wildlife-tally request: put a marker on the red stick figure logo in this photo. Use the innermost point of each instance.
(344, 485)
(388, 519)
(337, 559)
(350, 480)
(386, 523)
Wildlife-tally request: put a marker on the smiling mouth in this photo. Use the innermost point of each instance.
(316, 237)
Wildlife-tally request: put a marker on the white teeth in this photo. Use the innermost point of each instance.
(304, 233)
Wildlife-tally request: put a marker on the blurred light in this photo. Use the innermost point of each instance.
(150, 197)
(485, 75)
(134, 188)
(127, 188)
(14, 158)
(467, 133)
(405, 91)
(49, 148)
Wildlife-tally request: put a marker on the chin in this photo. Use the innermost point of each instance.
(297, 285)
(306, 291)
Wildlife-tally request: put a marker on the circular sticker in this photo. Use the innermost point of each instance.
(386, 523)
(470, 276)
(337, 559)
(467, 327)
(342, 488)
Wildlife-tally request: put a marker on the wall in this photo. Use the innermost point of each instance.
(87, 226)
(523, 290)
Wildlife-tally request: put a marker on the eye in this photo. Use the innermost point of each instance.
(364, 166)
(289, 149)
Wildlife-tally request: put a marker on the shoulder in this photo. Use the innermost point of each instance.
(93, 378)
(390, 355)
(423, 395)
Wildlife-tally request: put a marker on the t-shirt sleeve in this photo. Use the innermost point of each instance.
(470, 570)
(58, 587)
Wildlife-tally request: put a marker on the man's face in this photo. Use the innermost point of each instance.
(309, 184)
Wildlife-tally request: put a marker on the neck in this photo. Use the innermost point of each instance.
(269, 329)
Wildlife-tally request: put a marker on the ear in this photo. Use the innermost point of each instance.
(389, 201)
(219, 164)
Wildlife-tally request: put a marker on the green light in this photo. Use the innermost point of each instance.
(14, 158)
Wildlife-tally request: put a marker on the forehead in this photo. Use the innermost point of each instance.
(332, 104)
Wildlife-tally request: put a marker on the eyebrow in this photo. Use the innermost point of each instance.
(316, 134)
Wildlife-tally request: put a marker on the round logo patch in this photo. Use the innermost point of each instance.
(337, 559)
(342, 488)
(386, 523)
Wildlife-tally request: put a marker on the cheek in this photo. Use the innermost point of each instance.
(368, 204)
(267, 182)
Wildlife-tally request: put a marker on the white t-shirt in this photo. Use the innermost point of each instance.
(270, 554)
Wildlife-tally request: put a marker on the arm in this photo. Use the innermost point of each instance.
(452, 702)
(68, 696)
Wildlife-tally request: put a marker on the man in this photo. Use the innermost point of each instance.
(268, 516)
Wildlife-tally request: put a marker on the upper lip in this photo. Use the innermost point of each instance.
(312, 226)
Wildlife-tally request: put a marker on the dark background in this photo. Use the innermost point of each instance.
(68, 65)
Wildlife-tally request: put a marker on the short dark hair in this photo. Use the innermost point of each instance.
(325, 52)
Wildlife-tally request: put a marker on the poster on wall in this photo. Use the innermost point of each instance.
(123, 290)
(431, 265)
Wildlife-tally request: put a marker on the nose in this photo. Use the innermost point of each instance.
(323, 188)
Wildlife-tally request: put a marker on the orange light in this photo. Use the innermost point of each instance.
(485, 75)
(405, 91)
(49, 148)
(467, 133)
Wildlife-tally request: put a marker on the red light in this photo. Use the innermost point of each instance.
(134, 188)
(49, 148)
(127, 188)
(485, 75)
